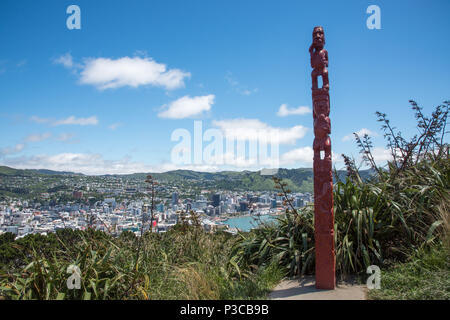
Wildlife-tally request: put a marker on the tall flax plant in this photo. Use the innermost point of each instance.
(415, 180)
(140, 241)
(104, 271)
(184, 263)
(386, 218)
(361, 220)
(288, 242)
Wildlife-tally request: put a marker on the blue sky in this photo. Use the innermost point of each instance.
(107, 98)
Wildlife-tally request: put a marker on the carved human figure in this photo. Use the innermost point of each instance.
(319, 59)
(321, 130)
(321, 106)
(325, 203)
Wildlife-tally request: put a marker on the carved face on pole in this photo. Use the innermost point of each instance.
(318, 38)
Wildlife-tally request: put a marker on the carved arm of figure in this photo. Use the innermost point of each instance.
(324, 71)
(311, 51)
(326, 57)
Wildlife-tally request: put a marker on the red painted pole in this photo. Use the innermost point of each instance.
(323, 179)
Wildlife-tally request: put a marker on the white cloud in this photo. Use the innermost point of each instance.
(237, 87)
(252, 129)
(32, 138)
(285, 111)
(247, 92)
(16, 149)
(21, 63)
(381, 155)
(186, 107)
(360, 133)
(303, 155)
(66, 60)
(19, 147)
(114, 126)
(38, 137)
(39, 120)
(94, 164)
(65, 137)
(72, 120)
(231, 160)
(105, 73)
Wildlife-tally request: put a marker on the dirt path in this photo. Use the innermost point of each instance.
(304, 289)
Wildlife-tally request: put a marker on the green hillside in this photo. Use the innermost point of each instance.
(7, 171)
(298, 180)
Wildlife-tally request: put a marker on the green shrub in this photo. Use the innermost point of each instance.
(184, 263)
(383, 220)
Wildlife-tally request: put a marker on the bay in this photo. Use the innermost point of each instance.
(246, 223)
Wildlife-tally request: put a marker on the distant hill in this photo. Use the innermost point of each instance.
(51, 172)
(298, 180)
(7, 171)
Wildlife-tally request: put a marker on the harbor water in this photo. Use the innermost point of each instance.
(246, 223)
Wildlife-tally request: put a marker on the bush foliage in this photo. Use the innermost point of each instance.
(383, 220)
(184, 263)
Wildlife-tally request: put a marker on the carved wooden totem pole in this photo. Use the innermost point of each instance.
(323, 179)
